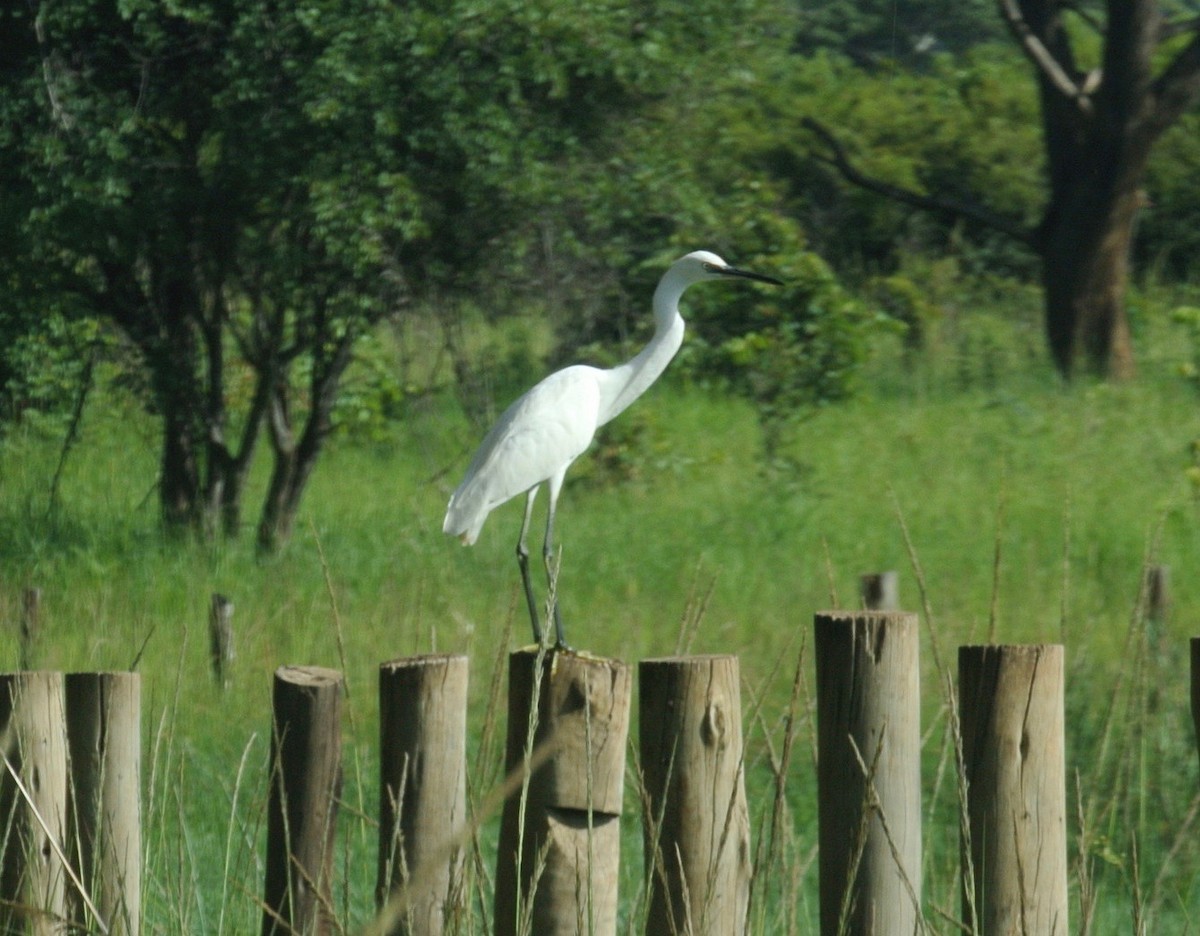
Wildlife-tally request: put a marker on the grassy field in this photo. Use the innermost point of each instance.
(1031, 508)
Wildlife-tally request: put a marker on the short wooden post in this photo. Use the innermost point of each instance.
(33, 804)
(1158, 646)
(31, 604)
(880, 591)
(220, 637)
(306, 779)
(869, 771)
(696, 827)
(1011, 712)
(422, 803)
(558, 874)
(1158, 593)
(104, 741)
(1195, 646)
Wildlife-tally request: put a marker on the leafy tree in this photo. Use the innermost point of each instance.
(166, 160)
(1100, 123)
(252, 185)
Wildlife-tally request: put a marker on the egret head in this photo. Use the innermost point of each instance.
(702, 265)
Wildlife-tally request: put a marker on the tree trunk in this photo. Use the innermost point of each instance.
(1096, 158)
(293, 465)
(162, 319)
(295, 460)
(275, 521)
(176, 390)
(1085, 273)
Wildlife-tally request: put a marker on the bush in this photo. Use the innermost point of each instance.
(43, 362)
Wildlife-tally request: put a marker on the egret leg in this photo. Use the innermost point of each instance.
(548, 559)
(523, 562)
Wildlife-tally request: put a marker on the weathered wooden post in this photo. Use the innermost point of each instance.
(422, 779)
(560, 834)
(696, 826)
(869, 771)
(1011, 713)
(306, 779)
(220, 637)
(1195, 645)
(1158, 593)
(880, 591)
(33, 804)
(1158, 645)
(104, 742)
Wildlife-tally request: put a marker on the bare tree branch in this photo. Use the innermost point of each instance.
(839, 160)
(50, 67)
(1049, 66)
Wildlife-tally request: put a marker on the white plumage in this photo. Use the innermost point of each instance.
(547, 428)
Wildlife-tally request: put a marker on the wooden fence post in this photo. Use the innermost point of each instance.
(220, 637)
(422, 780)
(696, 825)
(306, 779)
(1011, 712)
(33, 881)
(104, 741)
(880, 591)
(1195, 646)
(869, 772)
(1158, 593)
(559, 871)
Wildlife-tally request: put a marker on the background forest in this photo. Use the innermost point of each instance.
(267, 272)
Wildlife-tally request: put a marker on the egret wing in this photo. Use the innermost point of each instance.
(537, 436)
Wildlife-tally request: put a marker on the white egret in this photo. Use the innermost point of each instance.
(551, 425)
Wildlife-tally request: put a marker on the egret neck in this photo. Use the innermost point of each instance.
(623, 384)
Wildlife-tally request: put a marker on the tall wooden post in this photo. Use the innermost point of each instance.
(104, 740)
(33, 805)
(422, 807)
(560, 840)
(1011, 702)
(869, 771)
(306, 779)
(880, 591)
(696, 827)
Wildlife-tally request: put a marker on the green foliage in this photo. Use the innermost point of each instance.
(1168, 236)
(42, 367)
(966, 128)
(907, 304)
(1188, 318)
(373, 397)
(785, 350)
(877, 32)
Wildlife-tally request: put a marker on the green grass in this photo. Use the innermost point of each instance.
(977, 448)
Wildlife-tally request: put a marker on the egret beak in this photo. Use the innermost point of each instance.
(745, 274)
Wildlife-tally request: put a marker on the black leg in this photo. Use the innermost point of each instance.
(523, 562)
